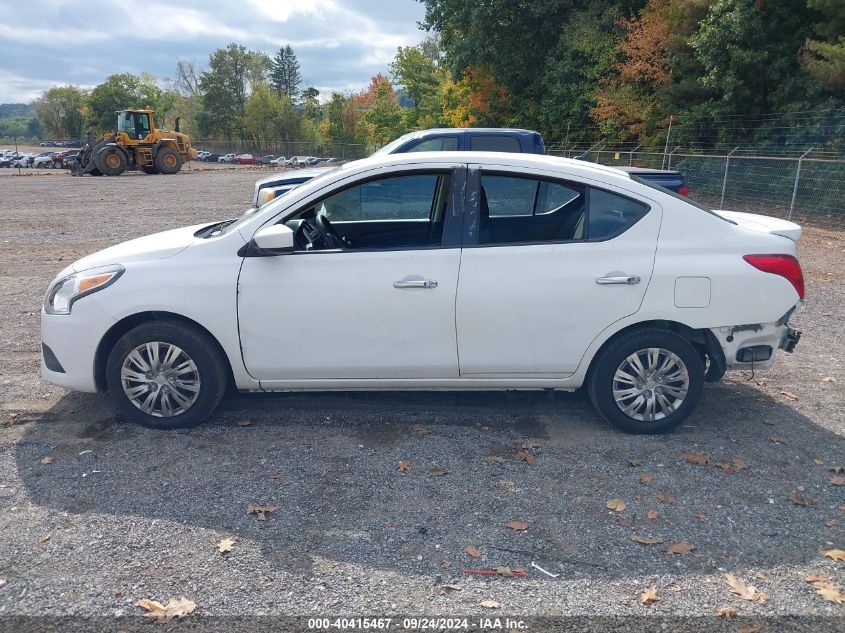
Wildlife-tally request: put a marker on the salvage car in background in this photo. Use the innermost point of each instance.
(434, 271)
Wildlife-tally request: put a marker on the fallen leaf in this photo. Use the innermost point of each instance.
(44, 539)
(635, 462)
(774, 439)
(504, 571)
(226, 545)
(789, 395)
(525, 456)
(637, 497)
(485, 428)
(164, 613)
(437, 472)
(665, 497)
(649, 596)
(489, 604)
(625, 522)
(507, 486)
(646, 540)
(496, 459)
(828, 379)
(739, 463)
(472, 551)
(519, 526)
(726, 612)
(694, 458)
(835, 554)
(527, 445)
(726, 468)
(760, 575)
(3, 582)
(830, 592)
(260, 511)
(744, 591)
(645, 478)
(800, 500)
(681, 547)
(446, 564)
(814, 579)
(617, 505)
(652, 515)
(819, 462)
(404, 465)
(244, 422)
(47, 460)
(701, 516)
(837, 480)
(452, 587)
(419, 428)
(676, 588)
(837, 470)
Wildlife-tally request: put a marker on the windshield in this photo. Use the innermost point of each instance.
(125, 122)
(392, 145)
(250, 213)
(654, 185)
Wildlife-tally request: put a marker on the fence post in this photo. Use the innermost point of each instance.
(797, 178)
(631, 156)
(725, 179)
(666, 147)
(669, 166)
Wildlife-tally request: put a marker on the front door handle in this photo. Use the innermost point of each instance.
(415, 283)
(629, 280)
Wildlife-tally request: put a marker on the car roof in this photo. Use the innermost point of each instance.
(512, 159)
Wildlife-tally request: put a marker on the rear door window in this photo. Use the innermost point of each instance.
(436, 144)
(493, 143)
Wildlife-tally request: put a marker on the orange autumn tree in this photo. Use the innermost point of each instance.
(476, 100)
(629, 104)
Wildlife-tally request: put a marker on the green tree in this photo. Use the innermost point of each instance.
(824, 56)
(384, 116)
(415, 71)
(311, 101)
(284, 74)
(224, 90)
(117, 92)
(60, 111)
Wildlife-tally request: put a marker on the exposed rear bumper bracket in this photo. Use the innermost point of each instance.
(790, 340)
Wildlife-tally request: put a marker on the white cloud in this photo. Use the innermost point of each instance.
(340, 43)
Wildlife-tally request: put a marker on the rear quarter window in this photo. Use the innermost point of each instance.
(494, 143)
(611, 214)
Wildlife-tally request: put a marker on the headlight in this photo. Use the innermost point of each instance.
(264, 196)
(62, 294)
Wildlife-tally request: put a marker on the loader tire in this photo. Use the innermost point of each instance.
(112, 161)
(149, 169)
(168, 160)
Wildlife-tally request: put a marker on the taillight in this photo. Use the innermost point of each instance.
(784, 265)
(682, 190)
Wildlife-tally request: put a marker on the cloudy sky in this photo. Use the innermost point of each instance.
(340, 43)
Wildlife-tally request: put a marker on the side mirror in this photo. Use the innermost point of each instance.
(276, 239)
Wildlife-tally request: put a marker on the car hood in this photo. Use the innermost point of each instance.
(148, 248)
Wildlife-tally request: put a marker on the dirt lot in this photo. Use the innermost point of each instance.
(124, 513)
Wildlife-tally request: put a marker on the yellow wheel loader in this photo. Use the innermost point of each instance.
(135, 144)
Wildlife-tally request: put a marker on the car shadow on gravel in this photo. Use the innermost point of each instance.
(330, 464)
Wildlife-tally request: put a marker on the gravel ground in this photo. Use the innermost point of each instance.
(124, 513)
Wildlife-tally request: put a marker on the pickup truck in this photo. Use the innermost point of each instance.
(453, 139)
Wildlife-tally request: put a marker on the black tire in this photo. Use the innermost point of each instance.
(601, 379)
(112, 161)
(168, 160)
(149, 169)
(199, 347)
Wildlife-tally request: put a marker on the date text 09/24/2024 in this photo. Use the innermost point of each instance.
(417, 624)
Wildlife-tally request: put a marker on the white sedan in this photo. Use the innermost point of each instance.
(434, 271)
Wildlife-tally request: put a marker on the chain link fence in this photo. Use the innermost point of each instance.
(803, 186)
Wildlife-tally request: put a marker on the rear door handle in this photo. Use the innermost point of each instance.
(415, 283)
(629, 280)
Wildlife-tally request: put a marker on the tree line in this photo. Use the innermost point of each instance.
(618, 70)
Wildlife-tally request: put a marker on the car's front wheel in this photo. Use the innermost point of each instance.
(166, 375)
(647, 380)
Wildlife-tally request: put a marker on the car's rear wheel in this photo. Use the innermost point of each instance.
(647, 380)
(166, 375)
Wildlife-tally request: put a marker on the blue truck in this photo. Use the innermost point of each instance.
(451, 140)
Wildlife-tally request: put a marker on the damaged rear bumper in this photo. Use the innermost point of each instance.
(753, 346)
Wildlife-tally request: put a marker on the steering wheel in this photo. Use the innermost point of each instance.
(328, 235)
